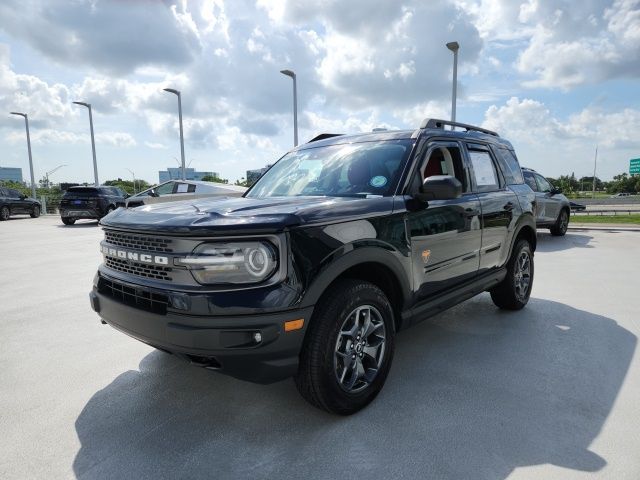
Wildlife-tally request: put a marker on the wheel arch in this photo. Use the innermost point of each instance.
(374, 265)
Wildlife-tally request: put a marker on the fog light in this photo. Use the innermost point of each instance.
(257, 337)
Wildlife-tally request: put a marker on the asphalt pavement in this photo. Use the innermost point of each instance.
(551, 391)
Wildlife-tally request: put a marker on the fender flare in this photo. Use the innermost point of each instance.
(351, 258)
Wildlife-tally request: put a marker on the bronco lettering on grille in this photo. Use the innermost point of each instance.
(134, 256)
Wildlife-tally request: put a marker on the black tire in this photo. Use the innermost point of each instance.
(5, 213)
(562, 223)
(511, 294)
(35, 213)
(68, 220)
(347, 303)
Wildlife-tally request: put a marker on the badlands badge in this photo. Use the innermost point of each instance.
(425, 256)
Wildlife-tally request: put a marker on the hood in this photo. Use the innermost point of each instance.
(227, 215)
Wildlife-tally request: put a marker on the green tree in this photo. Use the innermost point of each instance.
(242, 182)
(127, 185)
(211, 178)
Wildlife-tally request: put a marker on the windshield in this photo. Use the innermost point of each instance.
(357, 169)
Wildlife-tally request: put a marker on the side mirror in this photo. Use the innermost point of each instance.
(154, 193)
(126, 195)
(22, 196)
(555, 191)
(439, 187)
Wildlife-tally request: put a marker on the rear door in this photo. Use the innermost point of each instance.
(18, 205)
(497, 205)
(445, 236)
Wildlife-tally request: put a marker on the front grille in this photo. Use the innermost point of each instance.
(138, 242)
(140, 269)
(135, 297)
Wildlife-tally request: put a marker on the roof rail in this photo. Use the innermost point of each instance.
(322, 136)
(435, 123)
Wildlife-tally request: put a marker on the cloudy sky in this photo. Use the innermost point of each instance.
(553, 78)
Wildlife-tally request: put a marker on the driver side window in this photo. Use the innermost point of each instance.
(543, 184)
(443, 159)
(165, 189)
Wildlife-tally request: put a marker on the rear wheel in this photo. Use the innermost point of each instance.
(5, 213)
(35, 213)
(68, 220)
(514, 291)
(561, 225)
(348, 350)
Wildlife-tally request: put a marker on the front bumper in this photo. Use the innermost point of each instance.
(224, 343)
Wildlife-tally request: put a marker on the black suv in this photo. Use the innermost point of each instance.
(12, 202)
(90, 202)
(342, 243)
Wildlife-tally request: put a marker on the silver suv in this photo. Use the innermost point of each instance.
(552, 207)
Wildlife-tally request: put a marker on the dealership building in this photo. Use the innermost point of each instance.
(11, 173)
(175, 173)
(253, 175)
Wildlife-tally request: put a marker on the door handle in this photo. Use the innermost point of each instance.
(508, 206)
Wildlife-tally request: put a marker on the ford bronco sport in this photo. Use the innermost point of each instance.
(345, 241)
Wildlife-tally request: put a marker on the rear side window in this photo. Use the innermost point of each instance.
(484, 171)
(509, 166)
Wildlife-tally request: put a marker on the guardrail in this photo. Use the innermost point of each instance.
(605, 212)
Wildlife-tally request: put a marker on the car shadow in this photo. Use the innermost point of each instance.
(549, 243)
(81, 224)
(473, 393)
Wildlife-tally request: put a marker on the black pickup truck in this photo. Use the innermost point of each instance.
(345, 241)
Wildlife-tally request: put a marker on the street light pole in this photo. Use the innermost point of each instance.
(26, 124)
(595, 162)
(454, 47)
(93, 142)
(176, 92)
(134, 180)
(292, 74)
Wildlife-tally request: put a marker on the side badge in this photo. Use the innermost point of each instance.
(425, 256)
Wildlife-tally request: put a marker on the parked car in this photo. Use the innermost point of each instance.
(621, 195)
(175, 190)
(342, 243)
(552, 207)
(577, 207)
(12, 202)
(90, 203)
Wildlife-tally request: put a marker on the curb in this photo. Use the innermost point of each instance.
(608, 228)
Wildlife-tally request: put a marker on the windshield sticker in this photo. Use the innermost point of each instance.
(378, 181)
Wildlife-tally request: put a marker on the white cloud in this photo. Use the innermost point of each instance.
(156, 146)
(48, 136)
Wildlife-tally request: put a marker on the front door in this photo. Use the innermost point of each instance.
(445, 235)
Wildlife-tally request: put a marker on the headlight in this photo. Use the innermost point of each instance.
(233, 262)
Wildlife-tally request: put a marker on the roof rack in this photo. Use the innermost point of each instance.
(322, 136)
(435, 123)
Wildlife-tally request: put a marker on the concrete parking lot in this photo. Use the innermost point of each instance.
(474, 393)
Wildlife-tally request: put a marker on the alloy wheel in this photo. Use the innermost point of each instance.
(522, 275)
(359, 349)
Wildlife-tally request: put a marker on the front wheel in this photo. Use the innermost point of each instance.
(349, 348)
(68, 220)
(5, 213)
(35, 213)
(561, 225)
(514, 291)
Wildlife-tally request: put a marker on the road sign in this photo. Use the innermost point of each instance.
(634, 165)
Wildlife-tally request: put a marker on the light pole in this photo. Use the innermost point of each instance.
(177, 92)
(292, 74)
(134, 180)
(93, 142)
(454, 47)
(26, 124)
(595, 162)
(46, 175)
